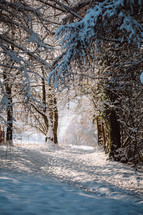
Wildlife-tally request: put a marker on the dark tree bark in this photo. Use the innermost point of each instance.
(44, 100)
(8, 90)
(115, 134)
(111, 114)
(55, 126)
(9, 133)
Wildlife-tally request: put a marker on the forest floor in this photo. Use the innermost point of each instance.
(86, 168)
(79, 165)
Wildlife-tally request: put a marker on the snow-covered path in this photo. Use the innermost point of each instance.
(26, 195)
(94, 182)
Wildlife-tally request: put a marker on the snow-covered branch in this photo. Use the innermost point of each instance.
(108, 21)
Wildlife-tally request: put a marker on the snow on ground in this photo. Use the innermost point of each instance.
(21, 194)
(85, 167)
(59, 180)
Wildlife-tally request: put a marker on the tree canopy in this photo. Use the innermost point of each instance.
(113, 22)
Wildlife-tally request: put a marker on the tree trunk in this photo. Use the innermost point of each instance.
(9, 133)
(114, 124)
(8, 90)
(53, 114)
(55, 127)
(50, 111)
(115, 135)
